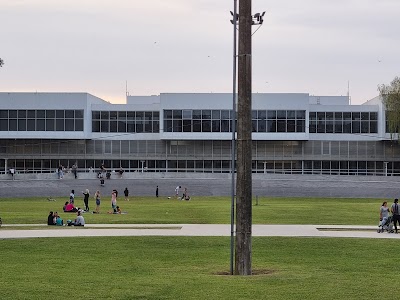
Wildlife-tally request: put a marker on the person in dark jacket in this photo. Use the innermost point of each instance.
(126, 193)
(86, 195)
(50, 219)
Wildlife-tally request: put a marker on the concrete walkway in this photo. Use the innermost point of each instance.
(9, 231)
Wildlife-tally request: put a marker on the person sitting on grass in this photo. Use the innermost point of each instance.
(79, 221)
(57, 220)
(50, 219)
(116, 210)
(69, 207)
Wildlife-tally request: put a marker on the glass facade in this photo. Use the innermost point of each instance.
(126, 121)
(204, 156)
(220, 120)
(41, 120)
(343, 122)
(363, 153)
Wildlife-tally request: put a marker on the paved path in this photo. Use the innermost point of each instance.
(6, 232)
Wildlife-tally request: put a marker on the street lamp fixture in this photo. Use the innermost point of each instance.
(257, 19)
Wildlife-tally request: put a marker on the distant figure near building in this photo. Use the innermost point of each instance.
(12, 172)
(177, 191)
(101, 179)
(157, 191)
(72, 197)
(126, 193)
(75, 170)
(60, 172)
(185, 195)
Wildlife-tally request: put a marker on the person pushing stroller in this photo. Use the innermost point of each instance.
(385, 221)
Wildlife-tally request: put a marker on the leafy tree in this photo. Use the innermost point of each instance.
(1, 62)
(390, 95)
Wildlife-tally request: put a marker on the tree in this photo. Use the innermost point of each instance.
(1, 62)
(390, 95)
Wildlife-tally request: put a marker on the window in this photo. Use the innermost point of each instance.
(95, 126)
(177, 114)
(206, 114)
(187, 114)
(59, 114)
(326, 148)
(21, 125)
(216, 126)
(70, 114)
(69, 124)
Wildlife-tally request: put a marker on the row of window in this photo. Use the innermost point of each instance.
(188, 121)
(220, 121)
(215, 166)
(41, 114)
(207, 114)
(126, 121)
(125, 115)
(41, 120)
(138, 126)
(41, 124)
(279, 125)
(225, 126)
(343, 126)
(339, 116)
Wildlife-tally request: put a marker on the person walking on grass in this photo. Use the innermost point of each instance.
(383, 213)
(396, 213)
(126, 193)
(157, 191)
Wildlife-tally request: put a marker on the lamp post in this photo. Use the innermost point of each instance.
(233, 127)
(256, 19)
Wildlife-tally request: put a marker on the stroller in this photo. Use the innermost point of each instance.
(386, 225)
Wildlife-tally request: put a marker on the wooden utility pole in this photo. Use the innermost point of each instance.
(244, 148)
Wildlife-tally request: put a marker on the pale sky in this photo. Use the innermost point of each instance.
(160, 46)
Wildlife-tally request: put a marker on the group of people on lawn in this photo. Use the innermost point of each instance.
(69, 207)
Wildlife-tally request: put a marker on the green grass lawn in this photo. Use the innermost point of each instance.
(202, 210)
(186, 268)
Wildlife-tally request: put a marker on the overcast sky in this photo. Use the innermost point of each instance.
(160, 46)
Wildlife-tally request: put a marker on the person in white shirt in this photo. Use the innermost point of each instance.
(79, 221)
(177, 191)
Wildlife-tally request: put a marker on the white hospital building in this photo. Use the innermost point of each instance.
(190, 132)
